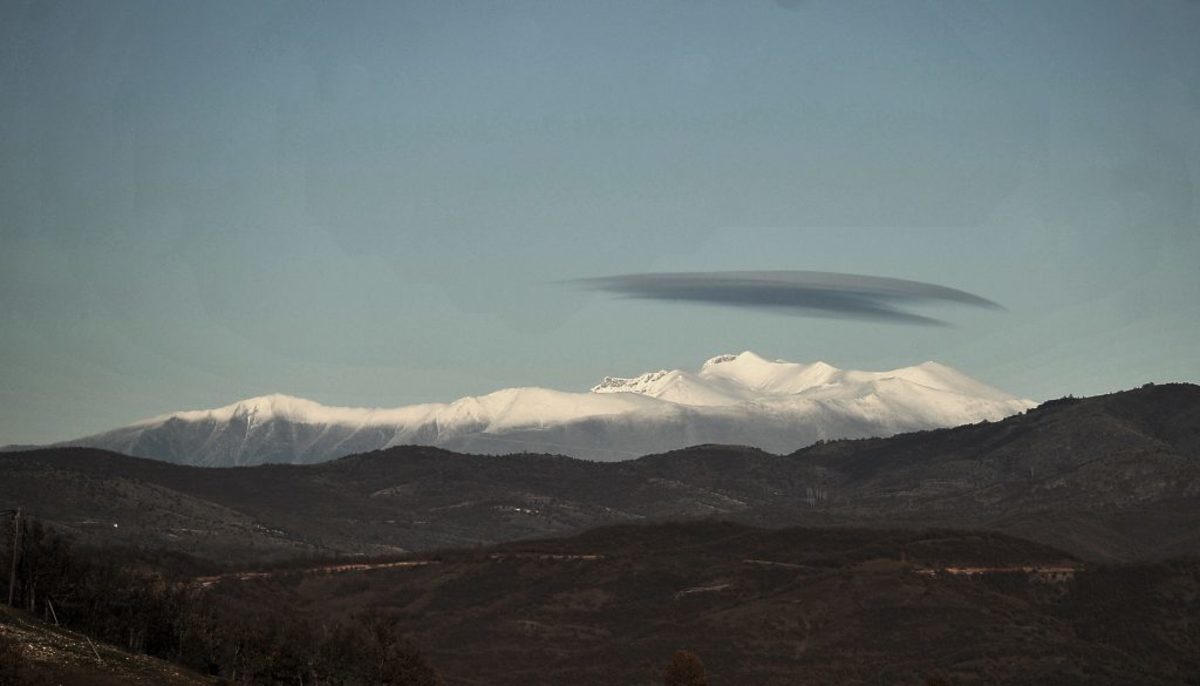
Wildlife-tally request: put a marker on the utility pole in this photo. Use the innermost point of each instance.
(16, 552)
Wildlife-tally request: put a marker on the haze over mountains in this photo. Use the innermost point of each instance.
(733, 399)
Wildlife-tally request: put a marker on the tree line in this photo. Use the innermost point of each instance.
(116, 596)
(141, 602)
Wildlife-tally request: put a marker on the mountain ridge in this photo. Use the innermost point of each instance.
(734, 399)
(1113, 477)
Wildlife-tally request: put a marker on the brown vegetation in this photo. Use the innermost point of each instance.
(115, 596)
(834, 606)
(684, 669)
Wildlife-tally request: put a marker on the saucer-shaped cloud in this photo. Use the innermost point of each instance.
(818, 294)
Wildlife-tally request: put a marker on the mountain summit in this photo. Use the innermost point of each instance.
(739, 399)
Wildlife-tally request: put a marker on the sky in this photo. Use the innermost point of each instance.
(388, 203)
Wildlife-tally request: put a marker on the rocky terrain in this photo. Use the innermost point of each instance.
(38, 653)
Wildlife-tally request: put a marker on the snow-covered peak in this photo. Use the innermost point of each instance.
(752, 371)
(725, 380)
(743, 398)
(276, 404)
(719, 359)
(638, 384)
(264, 408)
(941, 377)
(749, 377)
(675, 386)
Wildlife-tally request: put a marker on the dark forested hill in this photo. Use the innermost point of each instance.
(1113, 477)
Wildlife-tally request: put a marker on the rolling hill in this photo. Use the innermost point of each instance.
(1113, 477)
(786, 606)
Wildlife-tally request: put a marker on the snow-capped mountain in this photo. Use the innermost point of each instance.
(740, 399)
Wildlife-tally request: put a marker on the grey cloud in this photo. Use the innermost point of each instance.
(804, 293)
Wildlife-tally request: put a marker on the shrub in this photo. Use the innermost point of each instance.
(685, 669)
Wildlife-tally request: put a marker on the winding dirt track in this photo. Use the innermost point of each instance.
(206, 581)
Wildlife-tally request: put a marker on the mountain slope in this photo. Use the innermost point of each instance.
(1119, 472)
(734, 399)
(1113, 477)
(45, 654)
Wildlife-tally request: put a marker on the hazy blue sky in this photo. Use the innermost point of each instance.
(376, 203)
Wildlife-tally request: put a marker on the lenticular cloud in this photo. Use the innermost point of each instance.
(805, 293)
